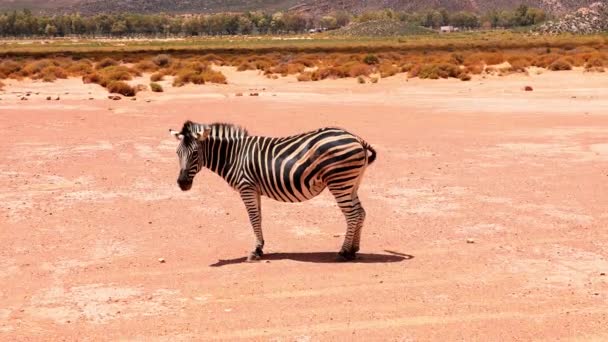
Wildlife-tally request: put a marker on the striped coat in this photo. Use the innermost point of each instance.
(287, 169)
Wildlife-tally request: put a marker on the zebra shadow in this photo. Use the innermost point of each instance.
(323, 257)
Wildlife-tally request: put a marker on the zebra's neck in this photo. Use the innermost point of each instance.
(221, 149)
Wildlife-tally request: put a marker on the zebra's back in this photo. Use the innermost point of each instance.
(298, 168)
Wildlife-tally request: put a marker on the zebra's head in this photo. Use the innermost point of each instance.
(189, 151)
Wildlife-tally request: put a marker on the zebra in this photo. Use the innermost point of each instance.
(287, 169)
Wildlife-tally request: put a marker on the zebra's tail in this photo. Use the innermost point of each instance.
(372, 157)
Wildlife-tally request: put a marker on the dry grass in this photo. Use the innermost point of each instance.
(106, 62)
(305, 77)
(122, 88)
(423, 57)
(158, 76)
(436, 71)
(80, 67)
(387, 70)
(51, 73)
(146, 66)
(560, 64)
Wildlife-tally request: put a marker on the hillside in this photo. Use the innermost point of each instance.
(307, 6)
(381, 28)
(586, 20)
(553, 6)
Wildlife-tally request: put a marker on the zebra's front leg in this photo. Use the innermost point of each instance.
(251, 198)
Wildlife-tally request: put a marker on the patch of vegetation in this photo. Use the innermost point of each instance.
(382, 28)
(155, 87)
(371, 59)
(162, 60)
(560, 64)
(158, 76)
(122, 88)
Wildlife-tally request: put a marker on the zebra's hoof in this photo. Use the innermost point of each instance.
(347, 255)
(255, 255)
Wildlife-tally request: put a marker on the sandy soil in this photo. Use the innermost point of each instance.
(88, 203)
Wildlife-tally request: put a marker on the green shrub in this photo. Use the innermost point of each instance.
(371, 59)
(155, 87)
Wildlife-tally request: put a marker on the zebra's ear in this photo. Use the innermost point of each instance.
(176, 134)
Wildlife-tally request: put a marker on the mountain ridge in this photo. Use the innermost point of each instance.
(315, 7)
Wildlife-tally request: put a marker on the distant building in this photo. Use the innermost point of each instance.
(448, 29)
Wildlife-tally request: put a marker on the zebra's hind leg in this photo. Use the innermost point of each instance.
(349, 203)
(251, 198)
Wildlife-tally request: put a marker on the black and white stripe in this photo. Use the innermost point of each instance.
(288, 169)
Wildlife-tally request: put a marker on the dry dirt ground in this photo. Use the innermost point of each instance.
(89, 203)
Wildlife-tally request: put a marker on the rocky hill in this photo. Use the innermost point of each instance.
(585, 20)
(307, 6)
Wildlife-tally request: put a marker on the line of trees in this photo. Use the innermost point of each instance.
(25, 24)
(519, 17)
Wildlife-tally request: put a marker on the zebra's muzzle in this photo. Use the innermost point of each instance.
(184, 182)
(185, 185)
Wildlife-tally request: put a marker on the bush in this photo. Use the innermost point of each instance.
(185, 76)
(374, 79)
(106, 62)
(91, 78)
(371, 59)
(560, 64)
(320, 74)
(157, 77)
(475, 69)
(121, 87)
(162, 60)
(34, 68)
(51, 73)
(9, 67)
(145, 66)
(457, 58)
(213, 76)
(358, 69)
(80, 68)
(519, 63)
(594, 63)
(387, 70)
(2, 85)
(305, 77)
(544, 61)
(246, 66)
(155, 87)
(213, 58)
(489, 58)
(306, 61)
(435, 71)
(361, 80)
(115, 73)
(464, 77)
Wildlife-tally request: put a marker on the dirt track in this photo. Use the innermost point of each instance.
(88, 203)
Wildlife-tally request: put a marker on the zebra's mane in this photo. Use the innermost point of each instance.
(218, 129)
(229, 130)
